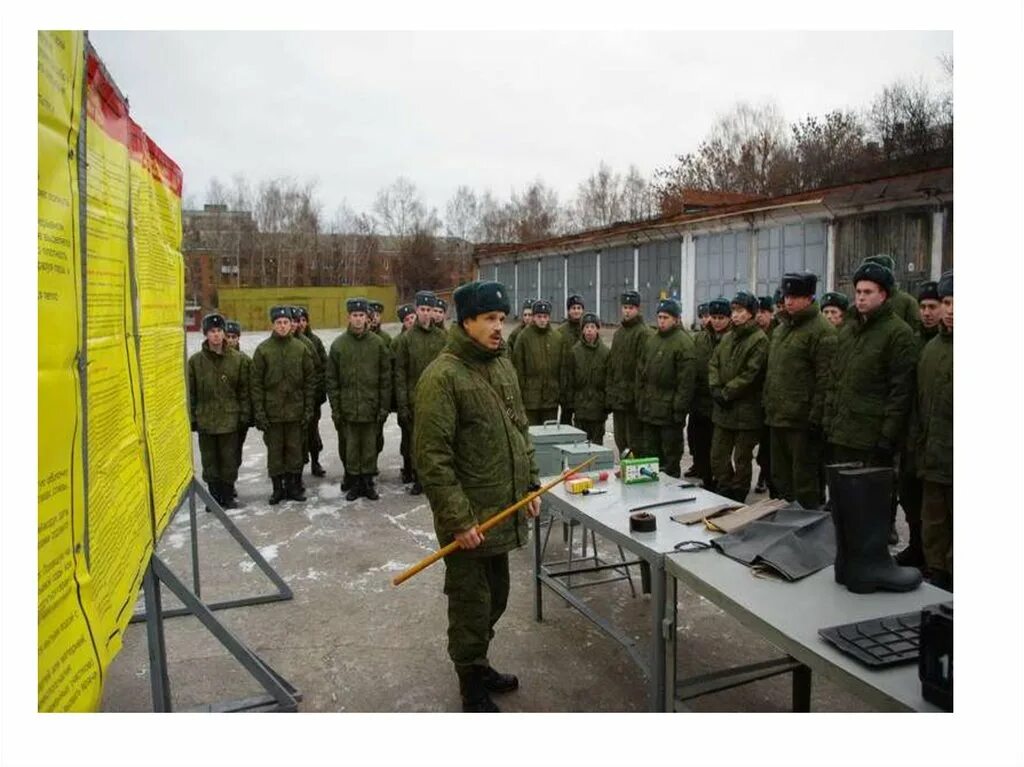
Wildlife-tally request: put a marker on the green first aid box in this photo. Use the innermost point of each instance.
(547, 442)
(577, 452)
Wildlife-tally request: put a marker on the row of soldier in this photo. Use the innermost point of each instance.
(364, 375)
(805, 383)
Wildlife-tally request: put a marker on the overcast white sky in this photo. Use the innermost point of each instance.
(354, 110)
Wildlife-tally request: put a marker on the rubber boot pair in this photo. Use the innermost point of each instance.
(221, 492)
(477, 682)
(362, 487)
(293, 488)
(279, 493)
(860, 513)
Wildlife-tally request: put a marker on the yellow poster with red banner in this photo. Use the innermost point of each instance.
(159, 273)
(69, 661)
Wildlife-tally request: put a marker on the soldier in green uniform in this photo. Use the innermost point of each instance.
(623, 358)
(422, 344)
(871, 381)
(764, 319)
(572, 332)
(765, 313)
(440, 312)
(904, 305)
(218, 390)
(232, 338)
(934, 443)
(526, 319)
(359, 389)
(910, 484)
(376, 310)
(474, 457)
(701, 320)
(314, 443)
(407, 316)
(540, 358)
(588, 364)
(665, 382)
(834, 307)
(699, 428)
(799, 359)
(736, 377)
(283, 388)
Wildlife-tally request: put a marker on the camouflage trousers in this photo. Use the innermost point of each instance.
(732, 451)
(284, 447)
(477, 590)
(628, 433)
(360, 447)
(664, 441)
(796, 466)
(219, 454)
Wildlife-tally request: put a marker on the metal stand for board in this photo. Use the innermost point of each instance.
(283, 592)
(279, 695)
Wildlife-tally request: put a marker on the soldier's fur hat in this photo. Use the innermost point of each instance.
(404, 311)
(669, 306)
(876, 273)
(528, 304)
(276, 312)
(590, 318)
(882, 259)
(480, 297)
(946, 284)
(232, 328)
(375, 306)
(838, 300)
(764, 303)
(357, 305)
(747, 300)
(441, 304)
(702, 310)
(541, 306)
(799, 284)
(300, 311)
(719, 306)
(777, 297)
(211, 321)
(928, 291)
(574, 300)
(425, 298)
(630, 298)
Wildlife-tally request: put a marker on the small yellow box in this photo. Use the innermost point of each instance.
(577, 486)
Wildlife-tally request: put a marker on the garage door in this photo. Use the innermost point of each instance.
(721, 265)
(616, 276)
(790, 248)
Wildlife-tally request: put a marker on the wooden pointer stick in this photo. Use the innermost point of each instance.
(497, 519)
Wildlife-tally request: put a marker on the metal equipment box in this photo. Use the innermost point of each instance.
(547, 440)
(575, 453)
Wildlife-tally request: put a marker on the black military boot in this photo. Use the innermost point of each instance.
(862, 505)
(346, 482)
(356, 488)
(495, 681)
(369, 491)
(913, 554)
(475, 699)
(417, 488)
(293, 486)
(831, 472)
(406, 473)
(224, 496)
(314, 464)
(278, 494)
(691, 472)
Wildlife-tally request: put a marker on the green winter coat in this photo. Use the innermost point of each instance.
(514, 335)
(871, 384)
(704, 343)
(588, 371)
(383, 336)
(472, 445)
(541, 362)
(283, 383)
(934, 428)
(799, 360)
(420, 348)
(218, 391)
(320, 360)
(666, 377)
(318, 368)
(905, 307)
(737, 371)
(359, 378)
(571, 331)
(623, 359)
(247, 374)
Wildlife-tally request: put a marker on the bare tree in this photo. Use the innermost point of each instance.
(599, 200)
(462, 214)
(908, 118)
(535, 212)
(399, 208)
(638, 200)
(827, 149)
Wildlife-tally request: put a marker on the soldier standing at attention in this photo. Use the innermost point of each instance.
(407, 315)
(541, 361)
(699, 428)
(735, 377)
(588, 364)
(910, 487)
(474, 457)
(799, 359)
(665, 382)
(440, 313)
(422, 344)
(526, 319)
(572, 332)
(934, 443)
(313, 440)
(359, 388)
(376, 310)
(765, 313)
(903, 304)
(764, 318)
(871, 383)
(835, 306)
(283, 388)
(232, 338)
(218, 391)
(623, 359)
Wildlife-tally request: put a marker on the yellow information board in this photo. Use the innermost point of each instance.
(114, 444)
(70, 665)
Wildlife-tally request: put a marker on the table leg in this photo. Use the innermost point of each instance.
(537, 586)
(671, 626)
(658, 638)
(802, 689)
